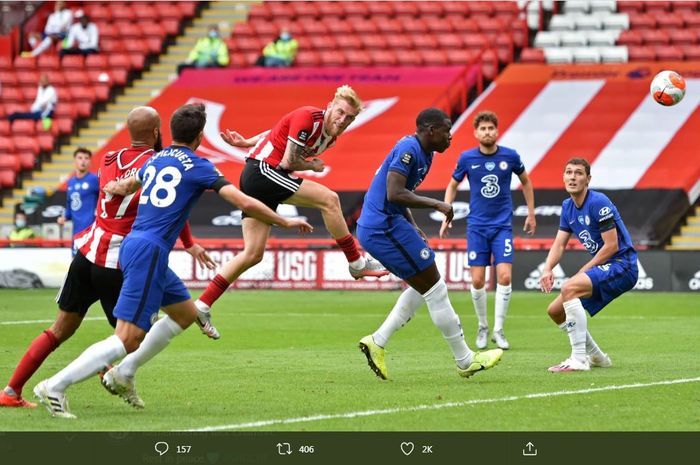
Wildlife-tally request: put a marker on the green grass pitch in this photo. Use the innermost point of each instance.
(288, 361)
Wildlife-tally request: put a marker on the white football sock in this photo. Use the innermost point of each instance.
(479, 300)
(591, 346)
(447, 321)
(502, 303)
(155, 341)
(359, 263)
(408, 302)
(92, 360)
(576, 325)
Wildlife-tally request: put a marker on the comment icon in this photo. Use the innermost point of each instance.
(161, 447)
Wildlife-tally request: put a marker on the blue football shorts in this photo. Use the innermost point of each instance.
(399, 248)
(148, 282)
(484, 242)
(610, 280)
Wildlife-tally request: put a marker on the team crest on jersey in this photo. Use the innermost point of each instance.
(406, 158)
(303, 135)
(490, 165)
(425, 253)
(472, 255)
(587, 220)
(503, 165)
(580, 219)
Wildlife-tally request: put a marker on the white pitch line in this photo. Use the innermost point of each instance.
(444, 405)
(30, 322)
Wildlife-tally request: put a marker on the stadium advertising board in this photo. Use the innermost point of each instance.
(299, 268)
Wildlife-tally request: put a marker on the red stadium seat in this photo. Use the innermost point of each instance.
(492, 25)
(47, 62)
(409, 58)
(669, 20)
(154, 45)
(405, 10)
(682, 36)
(321, 42)
(280, 10)
(187, 9)
(692, 20)
(360, 9)
(248, 44)
(111, 46)
(98, 12)
(46, 141)
(668, 53)
(168, 11)
(102, 91)
(504, 48)
(414, 25)
(123, 12)
(348, 42)
(12, 95)
(170, 26)
(642, 21)
(357, 57)
(362, 26)
(27, 161)
(455, 8)
(373, 42)
(437, 25)
(460, 57)
(119, 62)
(27, 78)
(96, 61)
(24, 127)
(73, 62)
(265, 28)
(519, 32)
(8, 178)
(390, 26)
(398, 42)
(312, 27)
(76, 77)
(481, 9)
(684, 6)
(305, 10)
(380, 9)
(332, 58)
(641, 53)
(691, 52)
(475, 41)
(383, 58)
(5, 63)
(433, 57)
(657, 6)
(138, 61)
(532, 55)
(26, 144)
(6, 145)
(8, 78)
(450, 41)
(128, 30)
(29, 93)
(655, 37)
(630, 6)
(430, 9)
(424, 42)
(10, 161)
(64, 125)
(460, 24)
(307, 58)
(489, 65)
(4, 127)
(84, 108)
(24, 63)
(506, 9)
(630, 38)
(65, 110)
(152, 30)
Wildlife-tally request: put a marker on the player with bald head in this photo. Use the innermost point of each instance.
(94, 273)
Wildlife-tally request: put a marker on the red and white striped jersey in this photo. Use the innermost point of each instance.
(303, 126)
(115, 214)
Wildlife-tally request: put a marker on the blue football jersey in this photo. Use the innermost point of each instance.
(407, 158)
(593, 218)
(172, 181)
(489, 182)
(81, 200)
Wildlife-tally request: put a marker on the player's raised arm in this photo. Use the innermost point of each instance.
(295, 159)
(260, 211)
(123, 187)
(553, 257)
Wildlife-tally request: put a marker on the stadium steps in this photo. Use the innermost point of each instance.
(142, 90)
(689, 237)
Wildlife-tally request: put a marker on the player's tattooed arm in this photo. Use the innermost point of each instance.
(295, 159)
(123, 187)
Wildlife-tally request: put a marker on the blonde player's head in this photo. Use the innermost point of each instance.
(342, 110)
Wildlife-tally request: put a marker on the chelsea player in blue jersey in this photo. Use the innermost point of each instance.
(596, 223)
(387, 231)
(82, 191)
(173, 180)
(489, 168)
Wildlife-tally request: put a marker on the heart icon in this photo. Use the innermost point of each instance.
(407, 448)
